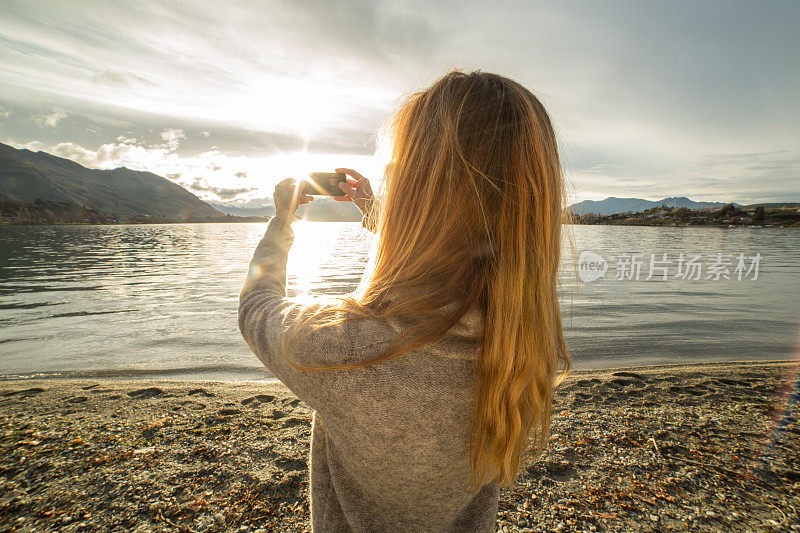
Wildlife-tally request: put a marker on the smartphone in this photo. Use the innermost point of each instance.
(323, 184)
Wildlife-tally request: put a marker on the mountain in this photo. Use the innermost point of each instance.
(28, 176)
(682, 201)
(612, 205)
(776, 205)
(322, 209)
(265, 211)
(329, 210)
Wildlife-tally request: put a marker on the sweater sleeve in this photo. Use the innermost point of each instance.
(369, 220)
(366, 225)
(266, 315)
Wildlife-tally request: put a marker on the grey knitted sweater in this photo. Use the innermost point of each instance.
(390, 441)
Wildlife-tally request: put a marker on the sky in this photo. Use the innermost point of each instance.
(649, 99)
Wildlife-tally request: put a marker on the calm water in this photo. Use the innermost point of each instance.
(161, 300)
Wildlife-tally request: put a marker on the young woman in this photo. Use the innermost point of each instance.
(431, 380)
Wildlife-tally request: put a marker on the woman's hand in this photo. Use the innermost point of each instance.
(287, 198)
(357, 190)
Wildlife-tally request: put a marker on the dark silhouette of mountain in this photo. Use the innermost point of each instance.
(612, 205)
(776, 205)
(28, 176)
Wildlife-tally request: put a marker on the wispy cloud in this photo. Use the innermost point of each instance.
(119, 79)
(50, 120)
(747, 173)
(203, 189)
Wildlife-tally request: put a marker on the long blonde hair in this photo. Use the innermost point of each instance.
(474, 199)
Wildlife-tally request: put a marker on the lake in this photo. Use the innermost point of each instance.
(161, 300)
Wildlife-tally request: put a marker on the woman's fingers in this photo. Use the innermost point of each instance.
(288, 198)
(347, 189)
(285, 188)
(285, 182)
(350, 172)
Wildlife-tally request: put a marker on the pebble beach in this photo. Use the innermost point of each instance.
(700, 447)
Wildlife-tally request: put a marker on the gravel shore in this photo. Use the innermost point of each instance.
(705, 447)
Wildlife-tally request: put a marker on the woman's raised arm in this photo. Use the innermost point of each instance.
(265, 313)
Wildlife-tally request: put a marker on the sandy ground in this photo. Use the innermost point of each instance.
(706, 447)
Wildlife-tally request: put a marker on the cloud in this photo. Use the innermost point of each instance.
(119, 79)
(50, 120)
(53, 118)
(227, 194)
(171, 134)
(639, 93)
(744, 175)
(784, 162)
(199, 184)
(78, 154)
(112, 155)
(241, 174)
(372, 31)
(124, 152)
(251, 203)
(223, 193)
(33, 146)
(172, 137)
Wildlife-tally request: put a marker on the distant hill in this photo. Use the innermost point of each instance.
(329, 210)
(612, 205)
(322, 209)
(265, 211)
(28, 176)
(776, 205)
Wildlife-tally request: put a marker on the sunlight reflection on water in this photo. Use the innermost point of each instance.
(162, 299)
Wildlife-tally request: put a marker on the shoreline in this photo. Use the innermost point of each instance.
(686, 447)
(143, 375)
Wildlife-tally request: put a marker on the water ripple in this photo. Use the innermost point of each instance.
(156, 299)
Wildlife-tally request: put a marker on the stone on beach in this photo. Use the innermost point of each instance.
(637, 449)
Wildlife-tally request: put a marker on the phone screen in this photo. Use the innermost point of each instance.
(323, 184)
